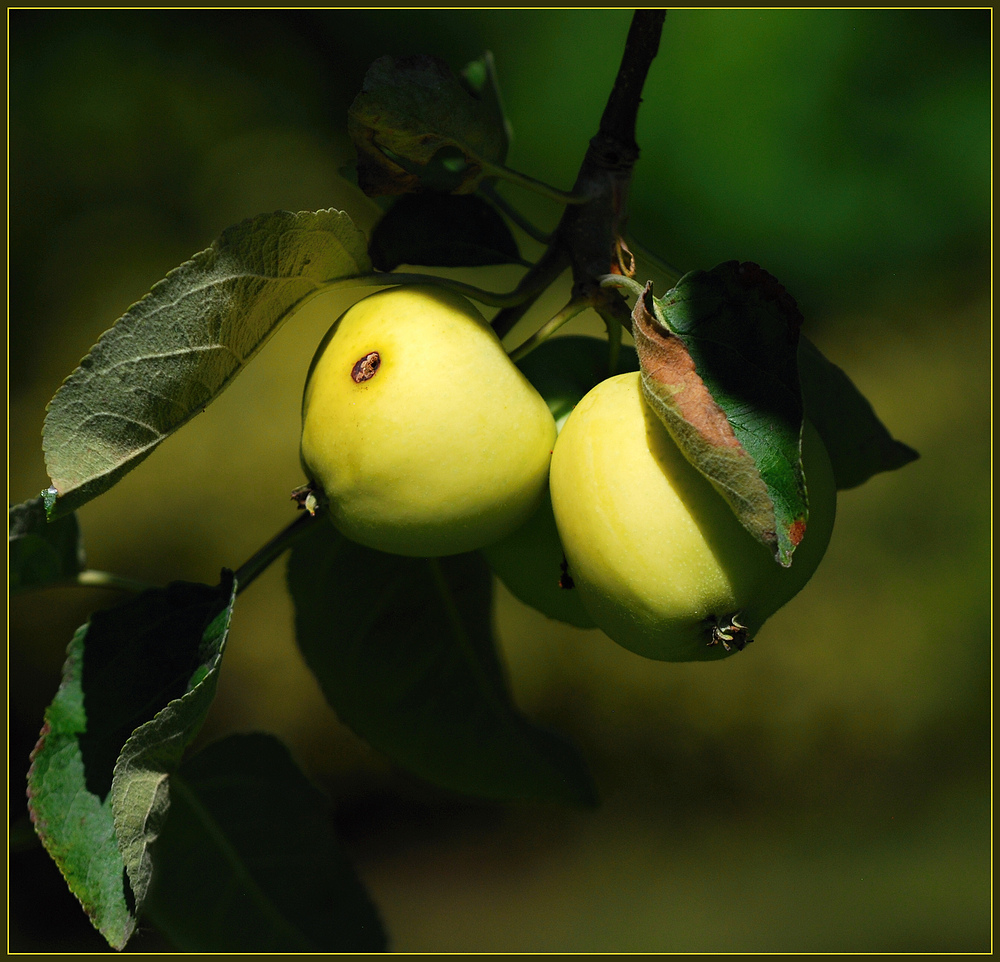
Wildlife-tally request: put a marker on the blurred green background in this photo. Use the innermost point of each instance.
(829, 790)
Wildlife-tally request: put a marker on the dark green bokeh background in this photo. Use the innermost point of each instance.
(829, 789)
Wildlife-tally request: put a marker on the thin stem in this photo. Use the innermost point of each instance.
(554, 261)
(574, 307)
(270, 552)
(535, 233)
(620, 280)
(530, 183)
(89, 578)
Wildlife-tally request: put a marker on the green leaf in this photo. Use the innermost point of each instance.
(39, 552)
(121, 668)
(403, 652)
(75, 823)
(175, 350)
(858, 443)
(563, 369)
(719, 367)
(442, 230)
(416, 126)
(140, 785)
(247, 860)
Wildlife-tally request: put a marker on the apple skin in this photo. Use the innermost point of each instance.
(530, 560)
(444, 447)
(530, 564)
(654, 550)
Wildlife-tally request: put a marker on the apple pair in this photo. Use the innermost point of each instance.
(427, 440)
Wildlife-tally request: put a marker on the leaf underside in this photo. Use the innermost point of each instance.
(176, 349)
(403, 651)
(140, 783)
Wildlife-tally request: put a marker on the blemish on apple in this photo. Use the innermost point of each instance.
(365, 368)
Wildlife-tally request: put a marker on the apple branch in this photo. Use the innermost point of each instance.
(592, 231)
(588, 238)
(641, 46)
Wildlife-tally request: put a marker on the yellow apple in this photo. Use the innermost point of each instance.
(423, 435)
(658, 558)
(530, 561)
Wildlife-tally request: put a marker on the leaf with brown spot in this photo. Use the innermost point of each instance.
(672, 386)
(718, 356)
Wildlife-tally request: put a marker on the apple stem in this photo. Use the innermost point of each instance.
(530, 183)
(553, 262)
(262, 559)
(574, 307)
(91, 578)
(620, 280)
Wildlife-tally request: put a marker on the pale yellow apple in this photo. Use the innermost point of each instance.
(423, 435)
(530, 561)
(657, 556)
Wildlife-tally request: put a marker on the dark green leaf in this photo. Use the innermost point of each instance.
(175, 350)
(858, 443)
(139, 787)
(41, 552)
(442, 230)
(719, 366)
(121, 668)
(247, 860)
(564, 369)
(416, 126)
(403, 651)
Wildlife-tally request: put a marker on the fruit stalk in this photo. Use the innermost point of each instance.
(261, 560)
